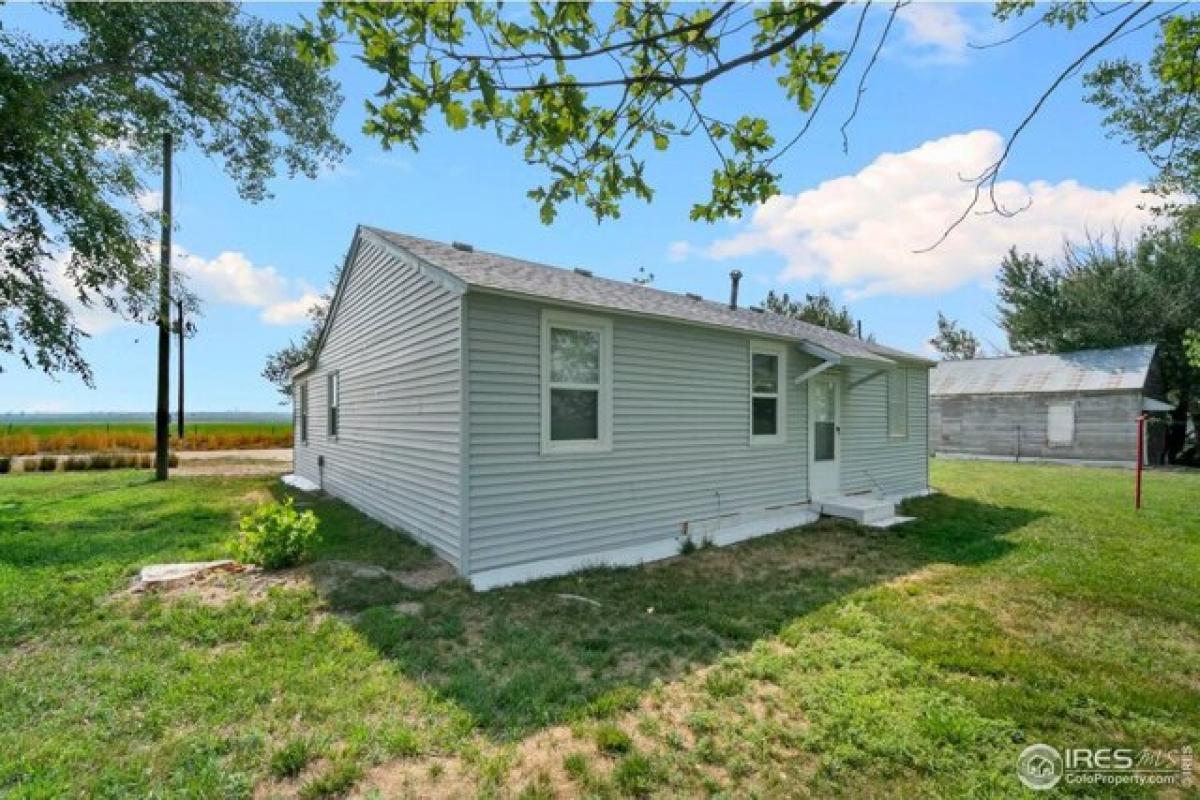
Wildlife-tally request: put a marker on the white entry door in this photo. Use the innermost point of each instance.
(824, 436)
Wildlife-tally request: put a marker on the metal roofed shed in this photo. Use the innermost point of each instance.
(1080, 406)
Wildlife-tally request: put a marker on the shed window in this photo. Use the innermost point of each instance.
(897, 406)
(766, 393)
(576, 383)
(335, 401)
(1060, 424)
(302, 411)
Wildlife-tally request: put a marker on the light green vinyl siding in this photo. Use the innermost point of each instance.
(871, 459)
(681, 440)
(394, 343)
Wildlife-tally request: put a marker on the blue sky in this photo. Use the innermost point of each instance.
(848, 222)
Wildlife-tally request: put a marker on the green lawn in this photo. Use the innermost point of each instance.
(1027, 604)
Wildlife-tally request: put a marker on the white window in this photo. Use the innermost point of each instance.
(335, 402)
(767, 393)
(302, 411)
(897, 406)
(576, 383)
(1060, 424)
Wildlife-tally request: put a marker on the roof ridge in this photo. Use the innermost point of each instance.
(459, 261)
(1042, 355)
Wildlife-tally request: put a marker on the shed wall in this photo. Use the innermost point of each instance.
(394, 340)
(1016, 424)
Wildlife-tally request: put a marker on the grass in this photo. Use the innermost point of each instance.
(1027, 604)
(78, 437)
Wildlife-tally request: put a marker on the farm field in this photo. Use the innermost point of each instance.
(1026, 604)
(18, 439)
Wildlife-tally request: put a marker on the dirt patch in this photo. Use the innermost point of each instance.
(421, 777)
(233, 467)
(251, 583)
(220, 587)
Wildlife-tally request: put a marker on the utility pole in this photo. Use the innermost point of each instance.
(162, 416)
(182, 329)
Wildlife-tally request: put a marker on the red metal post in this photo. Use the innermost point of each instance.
(1141, 439)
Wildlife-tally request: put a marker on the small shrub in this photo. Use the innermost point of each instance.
(5, 464)
(29, 464)
(612, 740)
(687, 547)
(337, 781)
(275, 535)
(48, 463)
(291, 759)
(145, 461)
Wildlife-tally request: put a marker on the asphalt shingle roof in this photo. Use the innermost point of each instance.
(490, 271)
(1119, 369)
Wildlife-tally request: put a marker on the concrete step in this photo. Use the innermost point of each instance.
(863, 509)
(890, 522)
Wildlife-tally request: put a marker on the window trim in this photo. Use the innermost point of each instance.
(302, 396)
(333, 404)
(895, 374)
(604, 423)
(780, 395)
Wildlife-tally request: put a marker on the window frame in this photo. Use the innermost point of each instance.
(892, 376)
(333, 404)
(302, 397)
(604, 406)
(780, 394)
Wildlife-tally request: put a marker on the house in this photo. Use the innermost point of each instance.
(1058, 406)
(525, 420)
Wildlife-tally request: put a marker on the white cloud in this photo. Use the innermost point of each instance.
(291, 312)
(92, 318)
(149, 201)
(230, 277)
(935, 31)
(861, 232)
(679, 251)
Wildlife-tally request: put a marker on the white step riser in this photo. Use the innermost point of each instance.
(863, 515)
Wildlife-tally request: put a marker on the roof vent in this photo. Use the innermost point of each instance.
(694, 296)
(466, 248)
(587, 273)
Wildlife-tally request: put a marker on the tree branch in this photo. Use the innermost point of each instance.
(989, 176)
(862, 81)
(679, 82)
